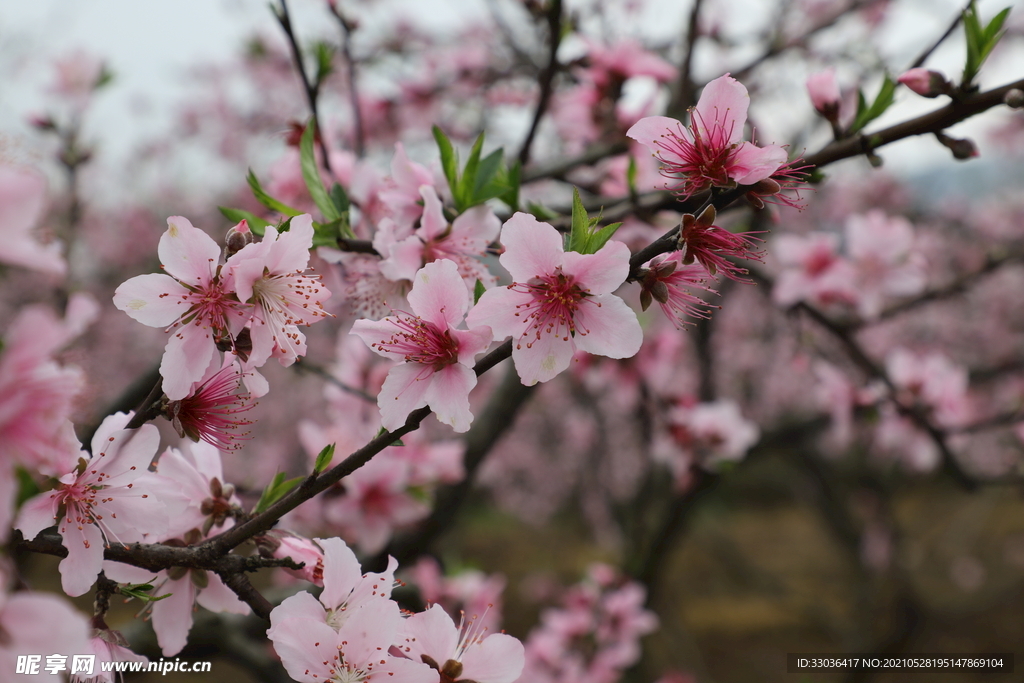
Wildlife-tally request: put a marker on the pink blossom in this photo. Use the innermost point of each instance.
(377, 499)
(36, 623)
(880, 249)
(212, 501)
(281, 544)
(191, 302)
(713, 432)
(666, 282)
(212, 411)
(463, 241)
(470, 591)
(824, 92)
(711, 152)
(438, 367)
(22, 201)
(559, 302)
(712, 246)
(402, 193)
(312, 651)
(931, 382)
(36, 393)
(813, 271)
(270, 275)
(432, 637)
(113, 499)
(626, 59)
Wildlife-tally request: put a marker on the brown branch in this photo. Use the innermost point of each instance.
(347, 27)
(547, 76)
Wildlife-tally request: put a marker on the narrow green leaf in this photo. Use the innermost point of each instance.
(266, 200)
(256, 224)
(579, 235)
(396, 442)
(274, 491)
(449, 159)
(511, 196)
(631, 171)
(324, 459)
(866, 114)
(467, 182)
(311, 174)
(601, 237)
(340, 198)
(488, 173)
(324, 53)
(478, 291)
(540, 211)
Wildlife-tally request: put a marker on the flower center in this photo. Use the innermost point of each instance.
(556, 298)
(421, 342)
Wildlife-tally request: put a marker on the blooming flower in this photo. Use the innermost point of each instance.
(22, 200)
(462, 241)
(558, 302)
(113, 499)
(711, 152)
(212, 411)
(438, 357)
(714, 432)
(813, 271)
(703, 241)
(431, 637)
(664, 281)
(271, 276)
(191, 301)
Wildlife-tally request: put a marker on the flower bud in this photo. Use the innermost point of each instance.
(1014, 98)
(237, 238)
(824, 92)
(961, 148)
(926, 83)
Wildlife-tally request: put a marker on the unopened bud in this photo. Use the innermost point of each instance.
(824, 92)
(1014, 98)
(961, 148)
(926, 83)
(237, 238)
(43, 122)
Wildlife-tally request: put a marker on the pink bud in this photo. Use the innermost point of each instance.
(925, 83)
(824, 92)
(238, 237)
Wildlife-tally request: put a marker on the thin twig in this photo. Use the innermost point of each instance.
(347, 27)
(547, 76)
(683, 97)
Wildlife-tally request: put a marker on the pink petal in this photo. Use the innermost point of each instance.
(217, 597)
(306, 648)
(611, 327)
(448, 395)
(497, 309)
(403, 391)
(79, 569)
(433, 223)
(499, 658)
(153, 299)
(302, 605)
(544, 359)
(341, 572)
(472, 343)
(650, 130)
(601, 272)
(290, 251)
(377, 332)
(369, 631)
(725, 101)
(751, 163)
(172, 617)
(439, 295)
(189, 352)
(532, 248)
(37, 514)
(405, 259)
(398, 670)
(430, 633)
(477, 226)
(187, 253)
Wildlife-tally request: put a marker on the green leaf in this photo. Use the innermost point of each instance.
(274, 491)
(540, 211)
(142, 591)
(601, 236)
(324, 459)
(631, 171)
(579, 235)
(324, 53)
(478, 291)
(467, 181)
(27, 486)
(449, 159)
(266, 200)
(311, 174)
(256, 224)
(980, 41)
(511, 196)
(883, 100)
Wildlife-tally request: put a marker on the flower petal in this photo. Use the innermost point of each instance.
(750, 163)
(601, 272)
(439, 295)
(606, 326)
(403, 391)
(532, 248)
(448, 395)
(538, 360)
(499, 658)
(723, 102)
(154, 299)
(187, 253)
